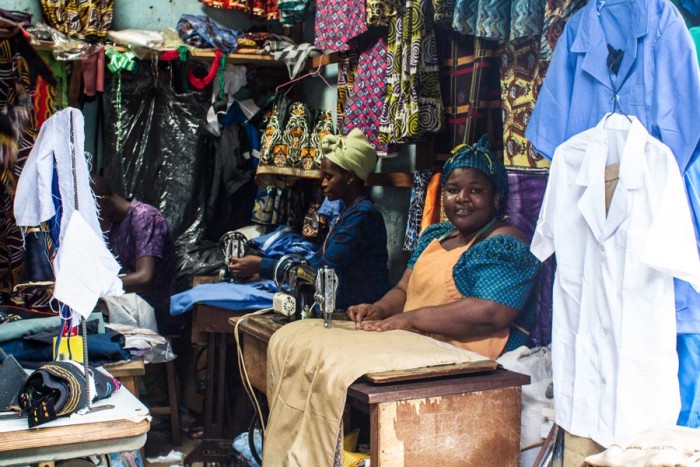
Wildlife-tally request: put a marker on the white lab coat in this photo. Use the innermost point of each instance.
(614, 356)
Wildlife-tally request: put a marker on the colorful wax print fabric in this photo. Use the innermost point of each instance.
(413, 105)
(501, 20)
(338, 22)
(380, 12)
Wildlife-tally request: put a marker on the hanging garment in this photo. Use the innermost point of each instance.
(82, 18)
(338, 22)
(415, 208)
(500, 20)
(60, 141)
(413, 105)
(380, 12)
(363, 104)
(614, 356)
(520, 65)
(291, 142)
(658, 80)
(471, 92)
(525, 193)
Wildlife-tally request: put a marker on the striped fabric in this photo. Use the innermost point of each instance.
(470, 86)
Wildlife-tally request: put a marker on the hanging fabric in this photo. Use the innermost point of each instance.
(82, 18)
(413, 105)
(290, 144)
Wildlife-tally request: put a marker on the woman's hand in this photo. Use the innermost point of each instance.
(364, 311)
(402, 321)
(245, 267)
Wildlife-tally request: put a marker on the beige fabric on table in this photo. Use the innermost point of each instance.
(671, 446)
(309, 370)
(577, 448)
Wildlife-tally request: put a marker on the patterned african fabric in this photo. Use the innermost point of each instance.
(556, 14)
(347, 67)
(292, 11)
(415, 208)
(338, 22)
(265, 9)
(238, 5)
(502, 20)
(290, 144)
(83, 18)
(363, 105)
(380, 12)
(523, 67)
(413, 105)
(519, 88)
(444, 11)
(20, 89)
(469, 78)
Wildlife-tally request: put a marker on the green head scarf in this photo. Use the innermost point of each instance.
(479, 156)
(352, 152)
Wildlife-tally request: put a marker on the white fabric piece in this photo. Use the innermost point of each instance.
(676, 446)
(85, 269)
(131, 310)
(614, 356)
(33, 199)
(234, 80)
(137, 38)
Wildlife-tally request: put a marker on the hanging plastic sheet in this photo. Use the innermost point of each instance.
(162, 153)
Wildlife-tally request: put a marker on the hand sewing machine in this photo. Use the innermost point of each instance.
(308, 287)
(233, 245)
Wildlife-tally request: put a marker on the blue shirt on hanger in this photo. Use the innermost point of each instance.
(658, 81)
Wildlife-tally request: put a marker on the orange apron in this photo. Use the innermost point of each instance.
(432, 284)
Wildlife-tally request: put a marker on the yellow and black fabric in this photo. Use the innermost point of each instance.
(82, 18)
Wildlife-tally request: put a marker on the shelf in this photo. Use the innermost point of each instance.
(395, 179)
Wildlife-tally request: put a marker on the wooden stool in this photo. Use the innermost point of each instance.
(172, 408)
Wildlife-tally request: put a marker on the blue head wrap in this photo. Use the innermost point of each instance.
(479, 156)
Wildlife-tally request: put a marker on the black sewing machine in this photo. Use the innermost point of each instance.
(308, 287)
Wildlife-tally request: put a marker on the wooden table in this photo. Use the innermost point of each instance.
(210, 326)
(122, 428)
(467, 419)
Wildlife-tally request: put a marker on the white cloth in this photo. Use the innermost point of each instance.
(614, 356)
(34, 199)
(675, 446)
(131, 310)
(85, 269)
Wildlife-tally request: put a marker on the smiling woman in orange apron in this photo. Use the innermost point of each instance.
(468, 281)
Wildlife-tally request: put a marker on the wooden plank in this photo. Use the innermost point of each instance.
(366, 392)
(133, 367)
(481, 428)
(437, 371)
(73, 434)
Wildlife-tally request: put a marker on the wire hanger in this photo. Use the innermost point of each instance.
(313, 73)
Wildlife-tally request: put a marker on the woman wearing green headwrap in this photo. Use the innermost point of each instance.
(356, 244)
(470, 277)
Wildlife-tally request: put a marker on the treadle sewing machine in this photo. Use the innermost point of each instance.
(308, 287)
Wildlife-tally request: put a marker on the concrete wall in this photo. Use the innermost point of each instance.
(158, 15)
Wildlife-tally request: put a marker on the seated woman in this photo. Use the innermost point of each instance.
(470, 277)
(356, 243)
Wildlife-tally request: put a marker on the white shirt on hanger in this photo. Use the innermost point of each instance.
(614, 356)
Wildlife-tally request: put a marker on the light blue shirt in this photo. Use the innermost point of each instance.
(658, 82)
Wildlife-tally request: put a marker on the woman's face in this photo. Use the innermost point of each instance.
(334, 181)
(470, 199)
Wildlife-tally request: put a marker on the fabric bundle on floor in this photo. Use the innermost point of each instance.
(316, 366)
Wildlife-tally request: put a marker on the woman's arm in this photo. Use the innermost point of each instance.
(466, 318)
(390, 304)
(142, 278)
